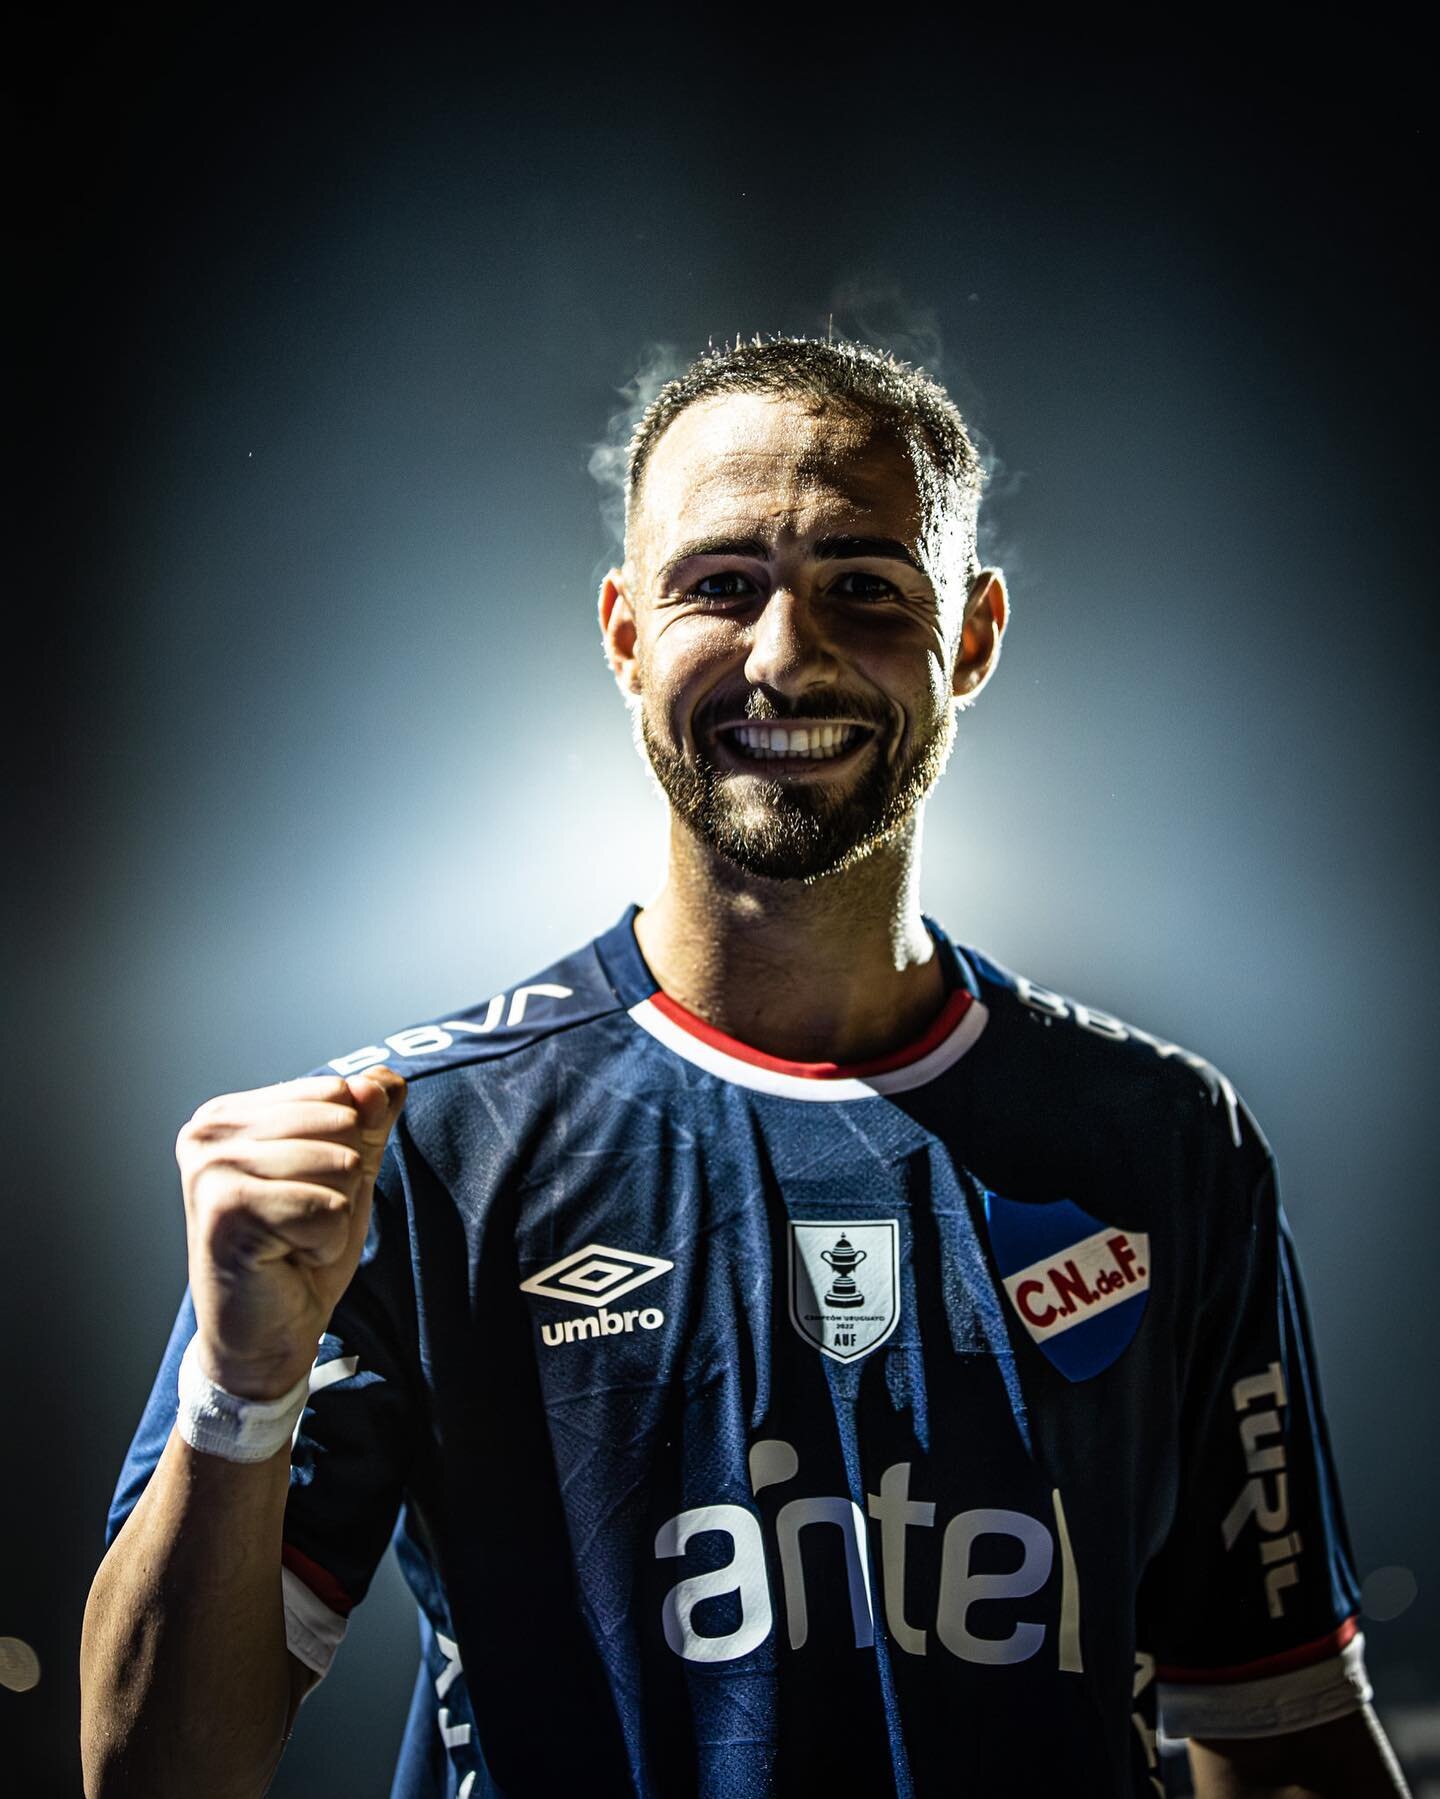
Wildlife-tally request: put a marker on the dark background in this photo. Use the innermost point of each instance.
(318, 329)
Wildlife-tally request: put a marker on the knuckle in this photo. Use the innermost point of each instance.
(217, 1113)
(190, 1131)
(200, 1188)
(333, 1091)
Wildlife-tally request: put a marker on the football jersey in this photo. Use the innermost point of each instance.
(747, 1426)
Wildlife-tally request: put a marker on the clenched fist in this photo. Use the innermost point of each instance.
(278, 1185)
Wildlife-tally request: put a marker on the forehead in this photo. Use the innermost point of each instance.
(776, 464)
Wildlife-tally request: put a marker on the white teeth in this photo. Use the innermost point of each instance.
(816, 744)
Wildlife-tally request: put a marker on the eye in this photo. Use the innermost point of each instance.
(866, 586)
(729, 584)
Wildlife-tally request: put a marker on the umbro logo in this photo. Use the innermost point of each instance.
(596, 1276)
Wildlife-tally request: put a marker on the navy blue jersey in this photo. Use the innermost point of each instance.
(745, 1426)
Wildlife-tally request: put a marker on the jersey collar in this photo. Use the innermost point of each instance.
(947, 1038)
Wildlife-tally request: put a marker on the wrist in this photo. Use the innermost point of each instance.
(215, 1420)
(260, 1381)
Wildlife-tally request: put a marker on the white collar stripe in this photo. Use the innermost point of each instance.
(812, 1087)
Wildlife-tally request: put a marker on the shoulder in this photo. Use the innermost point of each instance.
(1088, 1057)
(575, 992)
(487, 1079)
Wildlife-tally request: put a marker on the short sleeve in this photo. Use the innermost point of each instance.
(353, 1447)
(1252, 1605)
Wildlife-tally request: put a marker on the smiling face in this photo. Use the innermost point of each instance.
(791, 633)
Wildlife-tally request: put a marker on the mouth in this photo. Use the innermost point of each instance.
(794, 748)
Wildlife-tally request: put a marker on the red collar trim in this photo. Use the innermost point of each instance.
(935, 1033)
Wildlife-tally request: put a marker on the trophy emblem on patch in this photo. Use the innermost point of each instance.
(843, 1260)
(828, 1306)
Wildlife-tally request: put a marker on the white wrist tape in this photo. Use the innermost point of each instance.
(239, 1430)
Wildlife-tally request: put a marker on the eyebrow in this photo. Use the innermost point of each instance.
(824, 549)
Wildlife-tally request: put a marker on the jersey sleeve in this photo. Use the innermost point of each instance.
(1252, 1604)
(353, 1447)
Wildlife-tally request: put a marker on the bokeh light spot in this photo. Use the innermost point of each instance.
(19, 1665)
(1387, 1592)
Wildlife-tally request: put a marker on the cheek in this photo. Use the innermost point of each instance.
(913, 675)
(684, 661)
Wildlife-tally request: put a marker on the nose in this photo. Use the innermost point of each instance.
(789, 650)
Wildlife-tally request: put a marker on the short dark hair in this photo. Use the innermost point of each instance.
(895, 395)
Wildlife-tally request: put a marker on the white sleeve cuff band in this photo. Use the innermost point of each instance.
(238, 1430)
(312, 1631)
(1273, 1705)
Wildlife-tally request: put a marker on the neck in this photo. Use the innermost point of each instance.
(840, 970)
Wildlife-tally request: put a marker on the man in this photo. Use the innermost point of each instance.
(797, 1351)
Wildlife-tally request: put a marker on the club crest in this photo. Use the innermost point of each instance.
(845, 1284)
(1078, 1286)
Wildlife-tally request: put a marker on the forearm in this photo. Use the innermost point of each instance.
(185, 1676)
(1347, 1759)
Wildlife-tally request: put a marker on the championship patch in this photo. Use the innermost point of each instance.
(1078, 1286)
(845, 1284)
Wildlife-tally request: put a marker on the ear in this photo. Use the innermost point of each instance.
(986, 615)
(617, 628)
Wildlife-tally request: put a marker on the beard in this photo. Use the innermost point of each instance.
(798, 831)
